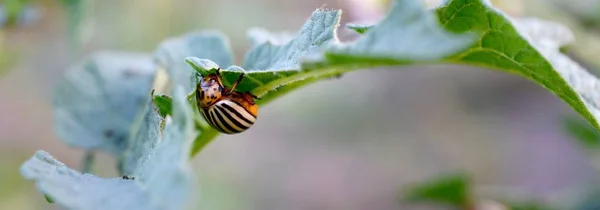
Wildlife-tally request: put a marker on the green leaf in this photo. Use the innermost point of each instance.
(584, 133)
(528, 206)
(98, 100)
(170, 54)
(527, 47)
(361, 29)
(164, 105)
(48, 199)
(162, 172)
(448, 189)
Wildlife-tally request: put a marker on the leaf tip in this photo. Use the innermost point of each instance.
(48, 198)
(358, 28)
(37, 164)
(202, 66)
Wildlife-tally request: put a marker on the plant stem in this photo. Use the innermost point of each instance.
(88, 161)
(203, 139)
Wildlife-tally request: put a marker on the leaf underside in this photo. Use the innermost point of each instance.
(160, 166)
(98, 99)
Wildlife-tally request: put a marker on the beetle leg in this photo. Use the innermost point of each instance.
(235, 84)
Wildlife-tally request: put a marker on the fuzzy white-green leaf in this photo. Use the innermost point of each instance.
(161, 170)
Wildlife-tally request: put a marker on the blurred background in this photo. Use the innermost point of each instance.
(361, 141)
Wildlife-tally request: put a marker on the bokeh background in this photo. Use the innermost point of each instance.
(349, 143)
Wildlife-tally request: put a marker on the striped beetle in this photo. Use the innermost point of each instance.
(226, 110)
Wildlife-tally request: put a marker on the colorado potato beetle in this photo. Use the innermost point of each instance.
(226, 110)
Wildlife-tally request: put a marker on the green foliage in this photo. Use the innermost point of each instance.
(528, 206)
(586, 135)
(48, 199)
(527, 47)
(103, 102)
(361, 29)
(164, 105)
(451, 190)
(14, 10)
(456, 191)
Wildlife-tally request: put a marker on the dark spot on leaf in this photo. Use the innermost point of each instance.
(128, 73)
(109, 133)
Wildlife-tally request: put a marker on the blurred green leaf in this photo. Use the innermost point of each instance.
(97, 101)
(48, 198)
(448, 189)
(361, 29)
(583, 132)
(585, 11)
(13, 10)
(528, 206)
(6, 57)
(75, 10)
(161, 172)
(456, 191)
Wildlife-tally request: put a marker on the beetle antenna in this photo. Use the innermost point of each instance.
(235, 84)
